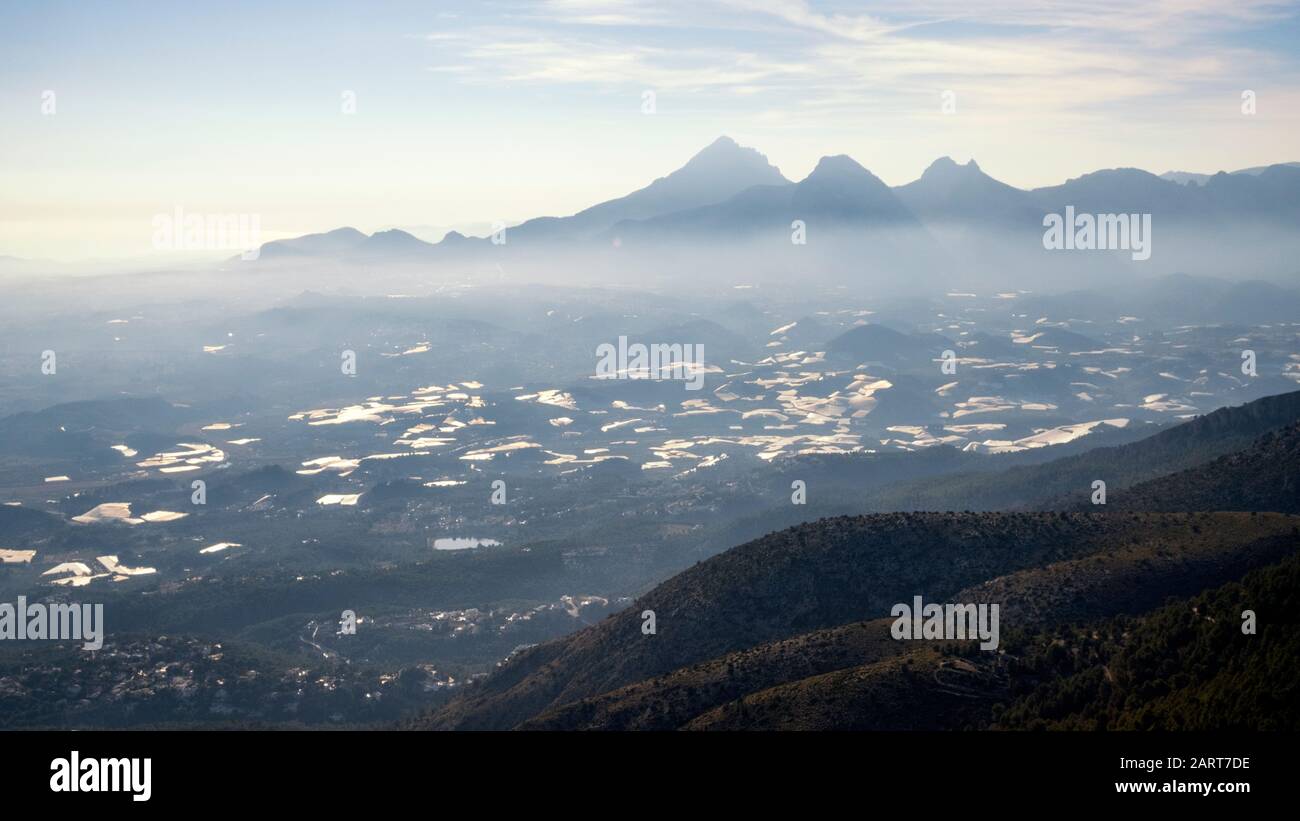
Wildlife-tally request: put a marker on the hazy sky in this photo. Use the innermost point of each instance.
(467, 113)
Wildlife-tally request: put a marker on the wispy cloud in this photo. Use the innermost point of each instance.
(1013, 58)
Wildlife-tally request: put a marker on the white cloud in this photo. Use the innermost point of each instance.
(1012, 58)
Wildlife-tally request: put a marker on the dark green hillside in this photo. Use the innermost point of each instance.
(827, 573)
(1184, 666)
(668, 702)
(17, 522)
(1177, 555)
(1265, 476)
(838, 571)
(923, 689)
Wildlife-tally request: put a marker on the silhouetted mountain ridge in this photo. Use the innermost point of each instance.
(734, 190)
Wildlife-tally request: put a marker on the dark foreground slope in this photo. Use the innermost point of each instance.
(1265, 476)
(824, 574)
(1131, 577)
(803, 613)
(788, 605)
(1185, 666)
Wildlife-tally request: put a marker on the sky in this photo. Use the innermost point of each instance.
(433, 115)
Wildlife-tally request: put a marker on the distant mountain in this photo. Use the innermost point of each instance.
(985, 345)
(878, 343)
(85, 429)
(1272, 196)
(839, 194)
(1268, 196)
(718, 172)
(1063, 340)
(392, 243)
(808, 333)
(721, 170)
(1184, 177)
(841, 190)
(949, 193)
(338, 241)
(1120, 190)
(954, 219)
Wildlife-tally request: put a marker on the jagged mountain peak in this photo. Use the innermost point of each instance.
(947, 168)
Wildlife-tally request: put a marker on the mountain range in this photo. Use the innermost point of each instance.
(731, 191)
(1185, 177)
